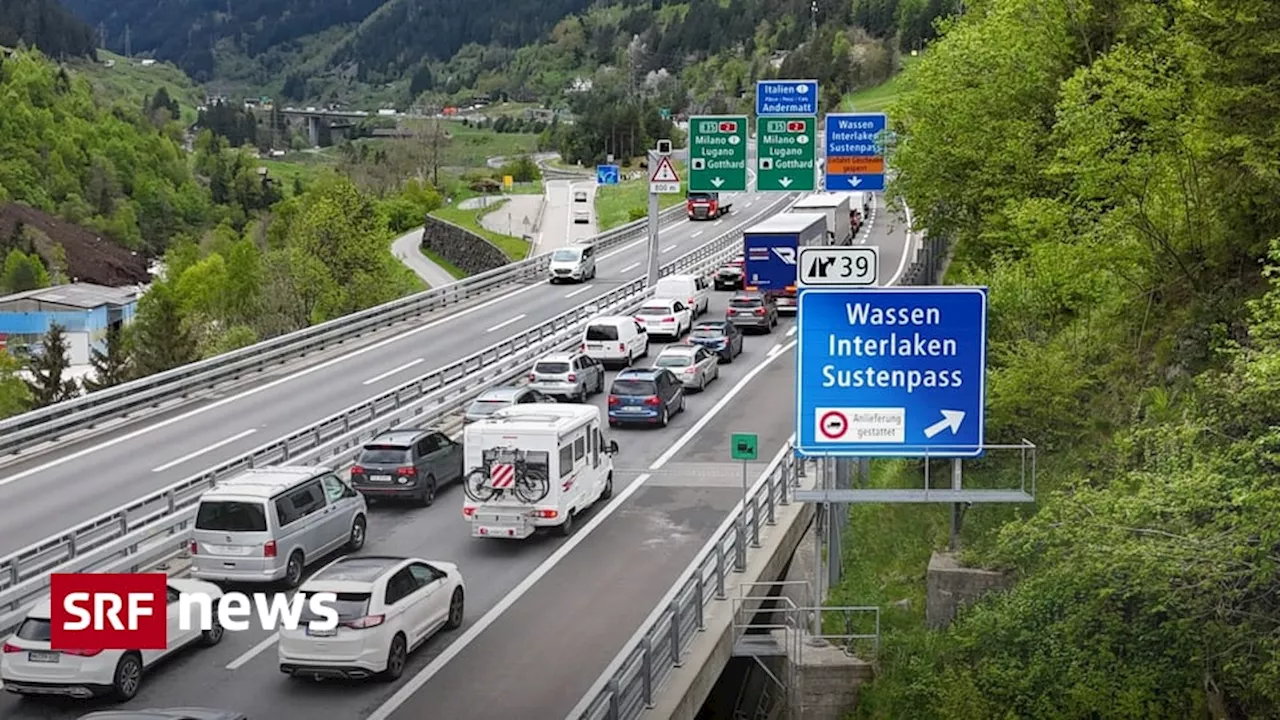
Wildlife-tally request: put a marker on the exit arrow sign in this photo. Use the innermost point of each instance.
(787, 152)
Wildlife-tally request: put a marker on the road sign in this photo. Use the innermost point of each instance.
(855, 151)
(718, 153)
(664, 113)
(744, 447)
(891, 371)
(838, 266)
(664, 180)
(786, 97)
(785, 154)
(607, 175)
(508, 181)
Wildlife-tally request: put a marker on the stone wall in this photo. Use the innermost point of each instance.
(950, 586)
(464, 249)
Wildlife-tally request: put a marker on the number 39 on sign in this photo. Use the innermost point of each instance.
(838, 266)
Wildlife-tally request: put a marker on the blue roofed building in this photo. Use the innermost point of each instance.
(84, 309)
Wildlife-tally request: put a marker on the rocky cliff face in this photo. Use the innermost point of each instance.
(463, 248)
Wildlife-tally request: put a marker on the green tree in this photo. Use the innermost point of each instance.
(23, 272)
(48, 384)
(112, 365)
(15, 398)
(161, 339)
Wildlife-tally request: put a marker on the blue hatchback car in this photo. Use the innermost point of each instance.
(649, 396)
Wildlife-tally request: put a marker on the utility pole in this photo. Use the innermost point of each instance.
(128, 43)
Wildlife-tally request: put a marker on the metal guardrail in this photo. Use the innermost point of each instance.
(29, 429)
(113, 538)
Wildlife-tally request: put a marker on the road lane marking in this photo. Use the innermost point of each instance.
(391, 372)
(201, 451)
(455, 648)
(253, 652)
(694, 235)
(775, 349)
(630, 267)
(507, 322)
(668, 249)
(791, 331)
(906, 247)
(579, 291)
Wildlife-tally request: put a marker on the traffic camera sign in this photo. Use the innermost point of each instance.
(786, 154)
(718, 154)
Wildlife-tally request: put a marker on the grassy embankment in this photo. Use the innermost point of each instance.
(130, 82)
(629, 200)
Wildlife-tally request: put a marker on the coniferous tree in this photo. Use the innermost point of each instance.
(161, 341)
(111, 366)
(48, 368)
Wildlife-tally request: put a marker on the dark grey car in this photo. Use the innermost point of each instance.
(407, 463)
(753, 310)
(495, 399)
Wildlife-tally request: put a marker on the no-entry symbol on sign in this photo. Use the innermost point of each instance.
(832, 425)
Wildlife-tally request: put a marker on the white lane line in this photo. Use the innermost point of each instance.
(579, 291)
(906, 248)
(791, 331)
(456, 647)
(668, 249)
(507, 322)
(746, 204)
(694, 235)
(775, 349)
(201, 451)
(253, 652)
(630, 267)
(392, 371)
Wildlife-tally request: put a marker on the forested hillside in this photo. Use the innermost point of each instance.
(45, 25)
(1109, 170)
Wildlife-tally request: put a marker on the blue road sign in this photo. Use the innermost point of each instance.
(855, 151)
(891, 371)
(607, 174)
(786, 97)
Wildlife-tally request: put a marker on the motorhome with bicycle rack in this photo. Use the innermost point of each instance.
(535, 466)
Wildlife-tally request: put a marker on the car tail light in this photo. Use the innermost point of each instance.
(366, 622)
(669, 319)
(655, 400)
(573, 378)
(583, 348)
(357, 470)
(82, 653)
(759, 311)
(546, 514)
(193, 547)
(615, 400)
(406, 471)
(11, 648)
(622, 347)
(690, 303)
(532, 377)
(467, 512)
(269, 548)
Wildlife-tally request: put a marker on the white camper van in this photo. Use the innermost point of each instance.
(535, 466)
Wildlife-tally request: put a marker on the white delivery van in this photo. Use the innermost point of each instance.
(692, 290)
(535, 466)
(615, 340)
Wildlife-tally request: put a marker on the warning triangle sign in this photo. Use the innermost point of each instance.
(664, 172)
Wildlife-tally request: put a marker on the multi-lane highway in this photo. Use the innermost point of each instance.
(558, 228)
(544, 617)
(78, 480)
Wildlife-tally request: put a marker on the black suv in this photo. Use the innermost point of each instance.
(407, 463)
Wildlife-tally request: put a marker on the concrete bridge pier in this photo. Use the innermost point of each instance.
(313, 130)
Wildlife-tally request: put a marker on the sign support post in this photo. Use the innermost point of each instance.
(745, 447)
(652, 277)
(662, 181)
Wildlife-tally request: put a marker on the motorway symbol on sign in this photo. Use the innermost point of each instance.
(786, 97)
(607, 175)
(838, 266)
(664, 180)
(787, 151)
(855, 151)
(718, 153)
(891, 372)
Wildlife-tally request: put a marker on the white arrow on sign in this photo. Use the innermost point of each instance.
(717, 181)
(855, 181)
(785, 182)
(950, 419)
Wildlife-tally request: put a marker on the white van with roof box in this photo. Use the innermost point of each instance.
(615, 340)
(268, 524)
(692, 290)
(535, 466)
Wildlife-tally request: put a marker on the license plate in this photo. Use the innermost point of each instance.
(594, 346)
(632, 409)
(43, 657)
(321, 633)
(380, 478)
(230, 549)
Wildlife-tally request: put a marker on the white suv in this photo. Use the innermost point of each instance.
(29, 667)
(387, 607)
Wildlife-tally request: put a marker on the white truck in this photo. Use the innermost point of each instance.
(535, 466)
(836, 207)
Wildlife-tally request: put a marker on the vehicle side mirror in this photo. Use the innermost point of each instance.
(613, 447)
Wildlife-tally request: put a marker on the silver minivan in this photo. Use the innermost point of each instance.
(269, 524)
(575, 263)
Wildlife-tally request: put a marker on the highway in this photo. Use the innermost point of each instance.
(558, 228)
(44, 494)
(572, 601)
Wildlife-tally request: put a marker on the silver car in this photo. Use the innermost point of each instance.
(569, 375)
(495, 399)
(573, 263)
(693, 364)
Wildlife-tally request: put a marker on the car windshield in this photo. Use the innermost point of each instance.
(602, 332)
(384, 455)
(565, 255)
(710, 333)
(674, 360)
(488, 406)
(231, 516)
(34, 629)
(634, 388)
(700, 197)
(745, 302)
(349, 606)
(654, 311)
(551, 368)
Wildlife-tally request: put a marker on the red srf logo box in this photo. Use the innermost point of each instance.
(109, 611)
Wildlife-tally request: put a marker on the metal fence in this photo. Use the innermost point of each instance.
(29, 429)
(113, 539)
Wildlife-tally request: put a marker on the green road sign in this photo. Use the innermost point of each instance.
(743, 446)
(786, 151)
(665, 113)
(718, 153)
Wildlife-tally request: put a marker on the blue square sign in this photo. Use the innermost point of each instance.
(786, 97)
(891, 372)
(855, 151)
(607, 174)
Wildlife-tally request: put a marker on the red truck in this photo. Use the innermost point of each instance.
(705, 206)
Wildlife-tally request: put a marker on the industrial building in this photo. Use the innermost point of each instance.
(84, 309)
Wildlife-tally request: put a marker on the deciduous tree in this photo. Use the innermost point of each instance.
(161, 340)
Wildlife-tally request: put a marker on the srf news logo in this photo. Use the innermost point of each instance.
(131, 611)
